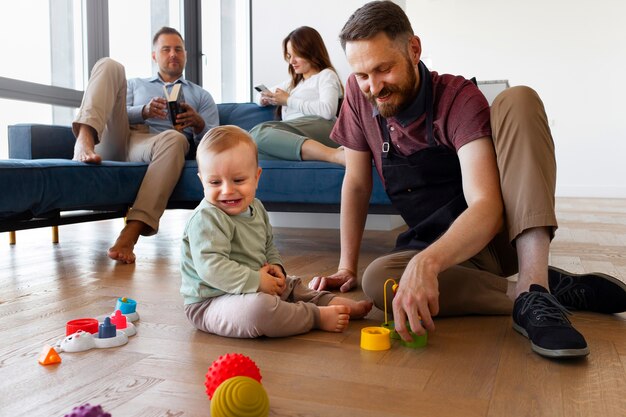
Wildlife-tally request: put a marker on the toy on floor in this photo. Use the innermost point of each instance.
(378, 338)
(375, 338)
(89, 333)
(49, 356)
(418, 341)
(128, 307)
(240, 396)
(233, 383)
(87, 410)
(228, 366)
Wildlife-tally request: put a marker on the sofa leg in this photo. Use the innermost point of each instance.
(12, 237)
(55, 234)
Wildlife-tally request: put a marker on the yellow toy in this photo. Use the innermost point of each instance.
(418, 341)
(240, 396)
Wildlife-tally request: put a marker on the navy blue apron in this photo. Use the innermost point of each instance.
(425, 187)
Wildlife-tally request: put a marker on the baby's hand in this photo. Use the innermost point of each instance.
(270, 284)
(276, 270)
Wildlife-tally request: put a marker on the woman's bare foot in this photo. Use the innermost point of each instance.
(312, 150)
(339, 156)
(334, 318)
(358, 309)
(84, 148)
(122, 249)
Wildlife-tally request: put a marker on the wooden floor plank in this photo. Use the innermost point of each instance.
(472, 366)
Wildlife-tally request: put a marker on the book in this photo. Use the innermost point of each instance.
(174, 98)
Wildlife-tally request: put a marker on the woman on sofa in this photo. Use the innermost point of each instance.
(309, 103)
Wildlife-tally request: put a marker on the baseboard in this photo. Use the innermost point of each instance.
(331, 220)
(591, 191)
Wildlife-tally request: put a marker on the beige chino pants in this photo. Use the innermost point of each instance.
(104, 109)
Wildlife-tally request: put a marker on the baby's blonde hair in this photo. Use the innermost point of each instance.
(222, 138)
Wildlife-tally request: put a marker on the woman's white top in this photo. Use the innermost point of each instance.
(318, 95)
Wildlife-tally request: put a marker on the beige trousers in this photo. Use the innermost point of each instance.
(259, 314)
(526, 161)
(104, 109)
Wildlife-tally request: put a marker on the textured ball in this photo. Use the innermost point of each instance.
(240, 396)
(87, 410)
(228, 366)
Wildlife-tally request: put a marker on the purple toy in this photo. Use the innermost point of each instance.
(87, 410)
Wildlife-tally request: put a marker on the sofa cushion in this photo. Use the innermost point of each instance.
(33, 188)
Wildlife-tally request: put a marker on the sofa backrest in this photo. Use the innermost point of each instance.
(244, 115)
(35, 141)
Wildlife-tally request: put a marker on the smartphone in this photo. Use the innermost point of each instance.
(261, 88)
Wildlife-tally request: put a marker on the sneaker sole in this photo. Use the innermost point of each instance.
(609, 278)
(552, 353)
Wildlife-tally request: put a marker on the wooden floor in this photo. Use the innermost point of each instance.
(472, 366)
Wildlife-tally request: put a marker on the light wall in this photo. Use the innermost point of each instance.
(572, 53)
(272, 20)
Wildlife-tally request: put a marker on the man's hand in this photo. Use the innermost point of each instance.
(271, 284)
(189, 118)
(344, 279)
(417, 298)
(156, 108)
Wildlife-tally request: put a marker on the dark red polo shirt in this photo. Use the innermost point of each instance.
(461, 115)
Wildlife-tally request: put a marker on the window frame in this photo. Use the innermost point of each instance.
(97, 47)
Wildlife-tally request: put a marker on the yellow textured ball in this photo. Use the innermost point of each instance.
(240, 396)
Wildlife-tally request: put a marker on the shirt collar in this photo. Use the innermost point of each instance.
(157, 77)
(417, 107)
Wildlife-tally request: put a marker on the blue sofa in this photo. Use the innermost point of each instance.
(42, 186)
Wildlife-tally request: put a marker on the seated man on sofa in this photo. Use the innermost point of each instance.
(129, 121)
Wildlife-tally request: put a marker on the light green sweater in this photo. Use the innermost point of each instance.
(222, 254)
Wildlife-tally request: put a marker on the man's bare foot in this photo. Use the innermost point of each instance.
(358, 309)
(122, 249)
(334, 318)
(84, 148)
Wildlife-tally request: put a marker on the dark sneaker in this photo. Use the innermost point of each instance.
(539, 316)
(591, 292)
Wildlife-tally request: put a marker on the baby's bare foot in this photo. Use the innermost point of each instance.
(334, 318)
(358, 309)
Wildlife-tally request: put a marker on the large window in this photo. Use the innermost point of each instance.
(131, 27)
(43, 63)
(226, 50)
(50, 46)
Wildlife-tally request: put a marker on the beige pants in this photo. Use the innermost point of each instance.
(259, 314)
(104, 109)
(525, 156)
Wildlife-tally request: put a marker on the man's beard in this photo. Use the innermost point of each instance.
(404, 93)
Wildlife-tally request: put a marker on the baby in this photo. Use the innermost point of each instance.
(233, 280)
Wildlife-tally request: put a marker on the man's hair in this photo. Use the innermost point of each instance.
(166, 30)
(376, 17)
(222, 138)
